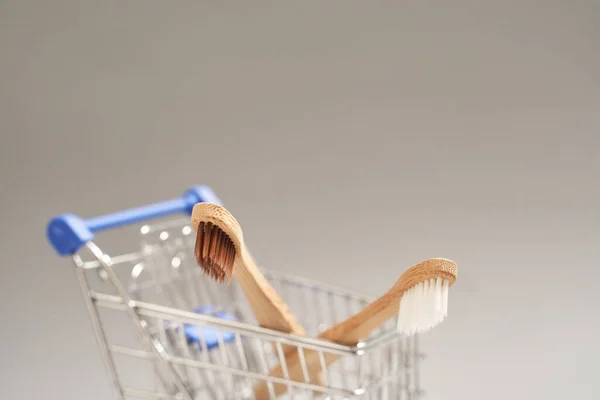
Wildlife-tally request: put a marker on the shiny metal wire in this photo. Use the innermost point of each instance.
(140, 303)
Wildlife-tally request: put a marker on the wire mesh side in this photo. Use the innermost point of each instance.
(233, 368)
(168, 289)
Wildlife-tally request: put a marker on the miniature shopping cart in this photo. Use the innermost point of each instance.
(166, 331)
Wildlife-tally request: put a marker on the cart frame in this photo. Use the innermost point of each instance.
(217, 353)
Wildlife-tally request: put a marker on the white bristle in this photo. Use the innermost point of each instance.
(423, 306)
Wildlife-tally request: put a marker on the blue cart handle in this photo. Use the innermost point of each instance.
(68, 233)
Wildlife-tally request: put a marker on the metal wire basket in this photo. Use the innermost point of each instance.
(166, 331)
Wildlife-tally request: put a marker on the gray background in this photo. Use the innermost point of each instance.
(351, 139)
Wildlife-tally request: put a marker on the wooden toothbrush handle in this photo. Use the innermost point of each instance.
(269, 309)
(348, 332)
(261, 391)
(360, 325)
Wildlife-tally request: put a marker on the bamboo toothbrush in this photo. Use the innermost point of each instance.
(419, 297)
(221, 253)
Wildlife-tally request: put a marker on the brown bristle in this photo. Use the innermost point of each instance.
(214, 251)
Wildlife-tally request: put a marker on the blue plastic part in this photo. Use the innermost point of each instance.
(68, 233)
(193, 333)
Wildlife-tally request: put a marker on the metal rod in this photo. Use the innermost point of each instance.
(283, 364)
(242, 355)
(141, 325)
(265, 367)
(155, 310)
(324, 369)
(143, 394)
(253, 375)
(99, 333)
(303, 364)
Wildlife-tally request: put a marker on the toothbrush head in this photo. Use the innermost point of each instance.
(424, 301)
(218, 240)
